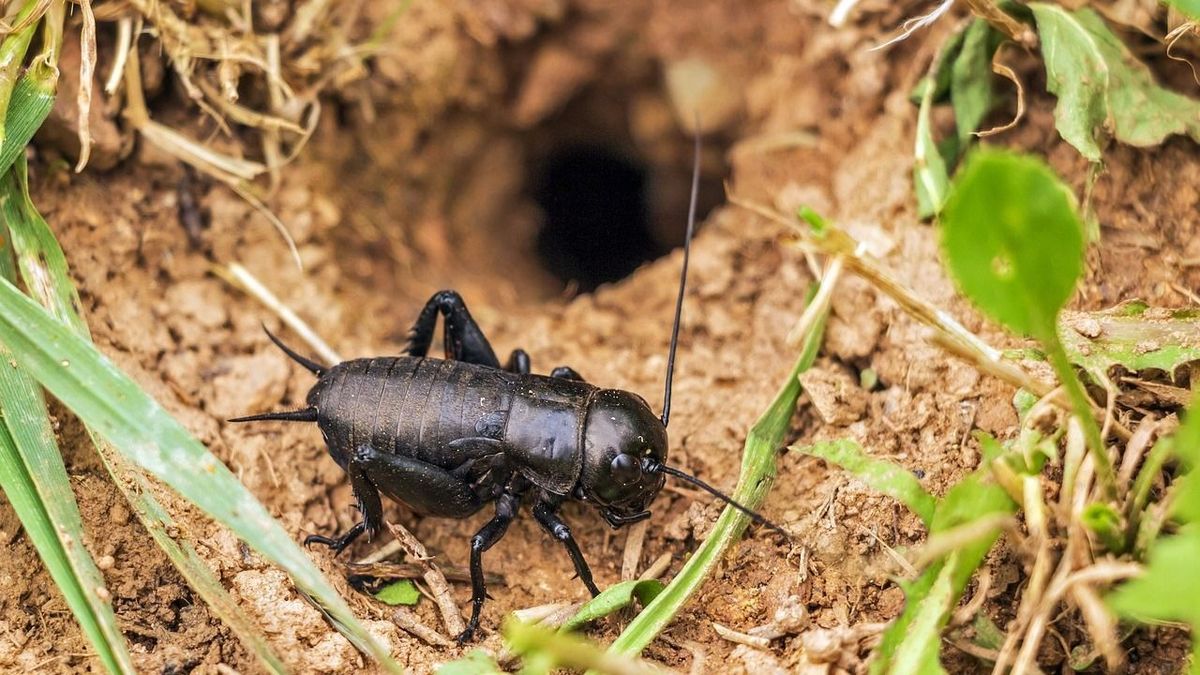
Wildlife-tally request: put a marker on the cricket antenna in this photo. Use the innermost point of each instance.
(687, 249)
(663, 468)
(312, 366)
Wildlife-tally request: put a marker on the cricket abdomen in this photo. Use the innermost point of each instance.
(410, 406)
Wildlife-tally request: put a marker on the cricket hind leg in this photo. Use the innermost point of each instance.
(463, 338)
(424, 487)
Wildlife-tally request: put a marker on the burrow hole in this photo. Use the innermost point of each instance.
(611, 175)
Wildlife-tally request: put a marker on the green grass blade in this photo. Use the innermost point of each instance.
(24, 103)
(114, 406)
(613, 598)
(44, 270)
(545, 649)
(918, 652)
(882, 476)
(758, 472)
(34, 479)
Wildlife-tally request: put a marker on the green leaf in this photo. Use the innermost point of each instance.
(402, 592)
(114, 406)
(614, 598)
(1013, 241)
(1189, 8)
(880, 475)
(930, 177)
(28, 105)
(1103, 520)
(971, 90)
(1170, 587)
(44, 270)
(917, 654)
(1103, 88)
(758, 471)
(987, 634)
(476, 662)
(31, 101)
(1138, 340)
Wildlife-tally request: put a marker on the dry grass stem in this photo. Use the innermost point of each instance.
(87, 68)
(120, 55)
(1011, 75)
(917, 23)
(1135, 449)
(820, 302)
(635, 539)
(657, 568)
(241, 278)
(407, 620)
(439, 588)
(741, 638)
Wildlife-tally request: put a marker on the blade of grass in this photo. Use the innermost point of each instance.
(34, 479)
(758, 472)
(44, 270)
(613, 598)
(110, 402)
(882, 476)
(29, 102)
(12, 58)
(548, 648)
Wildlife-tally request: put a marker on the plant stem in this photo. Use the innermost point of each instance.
(1083, 410)
(1003, 21)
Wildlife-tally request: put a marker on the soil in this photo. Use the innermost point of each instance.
(419, 179)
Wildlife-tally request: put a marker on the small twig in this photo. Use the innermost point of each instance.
(910, 570)
(382, 553)
(438, 586)
(241, 278)
(540, 613)
(634, 540)
(657, 568)
(1101, 624)
(741, 638)
(407, 619)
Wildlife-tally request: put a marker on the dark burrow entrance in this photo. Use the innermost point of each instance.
(610, 198)
(595, 226)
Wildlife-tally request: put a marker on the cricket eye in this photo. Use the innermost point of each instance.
(626, 469)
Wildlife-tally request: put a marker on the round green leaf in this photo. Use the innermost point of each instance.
(1013, 240)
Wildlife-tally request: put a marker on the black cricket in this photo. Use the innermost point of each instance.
(447, 436)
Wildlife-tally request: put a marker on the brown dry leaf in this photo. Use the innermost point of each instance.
(1006, 72)
(87, 68)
